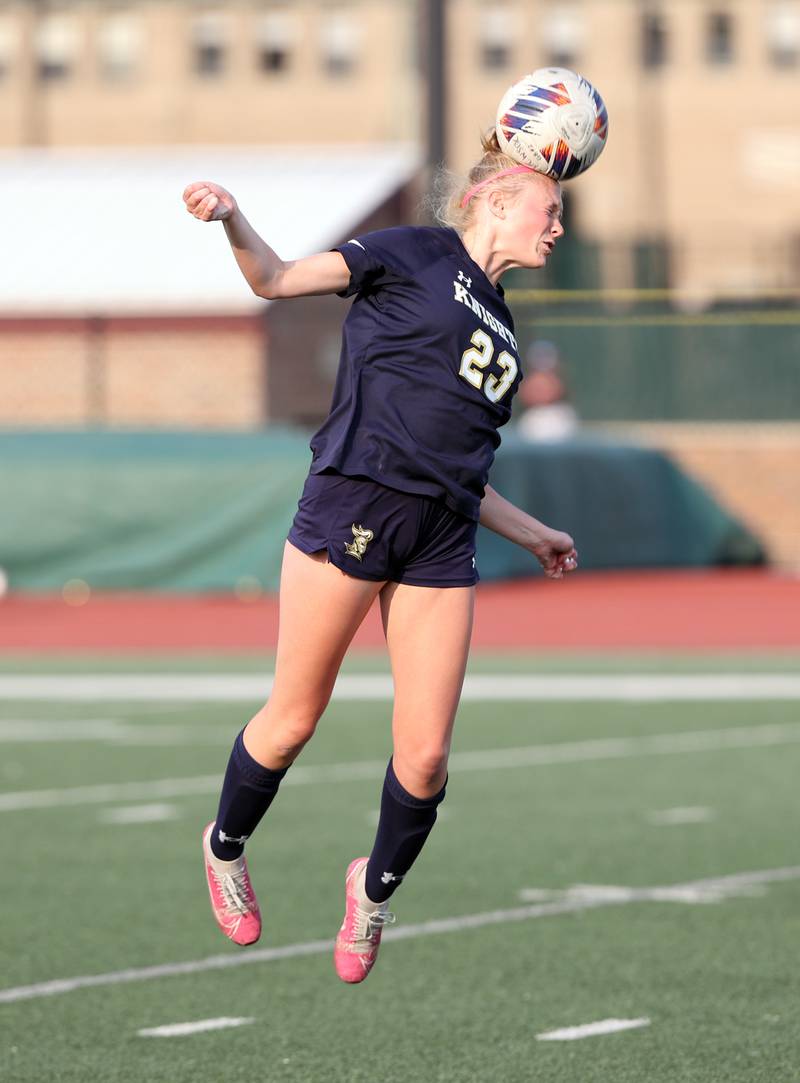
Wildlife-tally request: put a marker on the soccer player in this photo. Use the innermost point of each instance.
(398, 483)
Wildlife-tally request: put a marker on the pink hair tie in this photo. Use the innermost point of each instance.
(503, 173)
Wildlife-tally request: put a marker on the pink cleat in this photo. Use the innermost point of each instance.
(359, 938)
(233, 900)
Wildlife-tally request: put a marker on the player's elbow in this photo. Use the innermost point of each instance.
(269, 287)
(268, 290)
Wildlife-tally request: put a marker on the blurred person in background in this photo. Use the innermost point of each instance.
(428, 369)
(548, 413)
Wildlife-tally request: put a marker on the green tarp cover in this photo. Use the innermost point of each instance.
(210, 512)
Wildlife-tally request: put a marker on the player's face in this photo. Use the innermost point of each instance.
(535, 221)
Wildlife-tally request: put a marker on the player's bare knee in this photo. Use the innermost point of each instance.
(293, 735)
(424, 768)
(281, 711)
(285, 734)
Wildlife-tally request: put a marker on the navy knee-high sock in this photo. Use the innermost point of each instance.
(404, 825)
(247, 792)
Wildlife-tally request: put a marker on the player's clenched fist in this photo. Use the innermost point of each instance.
(209, 202)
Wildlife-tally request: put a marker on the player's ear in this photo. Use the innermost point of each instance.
(497, 203)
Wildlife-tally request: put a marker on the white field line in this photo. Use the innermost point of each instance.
(725, 886)
(674, 817)
(25, 731)
(230, 688)
(589, 1030)
(699, 892)
(109, 793)
(106, 731)
(612, 748)
(139, 814)
(178, 1030)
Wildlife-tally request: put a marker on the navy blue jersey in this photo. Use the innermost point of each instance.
(428, 368)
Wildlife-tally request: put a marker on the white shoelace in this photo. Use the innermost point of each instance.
(369, 922)
(233, 886)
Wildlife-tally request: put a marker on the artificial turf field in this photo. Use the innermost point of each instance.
(543, 796)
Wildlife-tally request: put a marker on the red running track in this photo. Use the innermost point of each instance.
(591, 611)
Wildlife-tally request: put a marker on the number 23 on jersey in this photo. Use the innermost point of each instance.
(477, 357)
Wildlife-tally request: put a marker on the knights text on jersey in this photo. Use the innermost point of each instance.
(428, 368)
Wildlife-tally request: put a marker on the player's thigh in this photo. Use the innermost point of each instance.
(428, 633)
(321, 609)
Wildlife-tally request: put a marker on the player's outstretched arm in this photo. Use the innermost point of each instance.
(554, 549)
(267, 274)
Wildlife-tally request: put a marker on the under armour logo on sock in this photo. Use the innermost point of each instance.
(232, 838)
(388, 877)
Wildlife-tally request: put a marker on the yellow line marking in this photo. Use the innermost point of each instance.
(711, 319)
(672, 295)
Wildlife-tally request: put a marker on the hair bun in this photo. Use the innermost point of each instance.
(490, 144)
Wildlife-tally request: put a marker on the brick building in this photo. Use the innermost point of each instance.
(120, 309)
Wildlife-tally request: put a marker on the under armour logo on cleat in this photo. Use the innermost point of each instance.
(388, 877)
(232, 838)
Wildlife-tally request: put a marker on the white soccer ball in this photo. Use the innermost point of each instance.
(554, 121)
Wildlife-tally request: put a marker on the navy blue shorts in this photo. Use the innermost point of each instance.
(372, 532)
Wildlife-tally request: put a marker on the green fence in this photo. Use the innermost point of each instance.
(654, 354)
(203, 512)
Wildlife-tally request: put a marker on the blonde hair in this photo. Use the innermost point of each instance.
(449, 188)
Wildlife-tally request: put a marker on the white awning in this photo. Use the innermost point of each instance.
(105, 231)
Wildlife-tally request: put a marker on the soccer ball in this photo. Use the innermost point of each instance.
(554, 121)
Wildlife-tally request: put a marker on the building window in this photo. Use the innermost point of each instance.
(654, 40)
(563, 31)
(783, 33)
(275, 38)
(340, 37)
(209, 42)
(719, 38)
(120, 44)
(496, 38)
(55, 46)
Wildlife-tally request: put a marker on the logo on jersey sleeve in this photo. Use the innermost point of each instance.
(361, 539)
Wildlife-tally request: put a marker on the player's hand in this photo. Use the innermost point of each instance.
(208, 201)
(556, 553)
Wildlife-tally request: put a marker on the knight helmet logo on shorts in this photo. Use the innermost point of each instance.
(361, 539)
